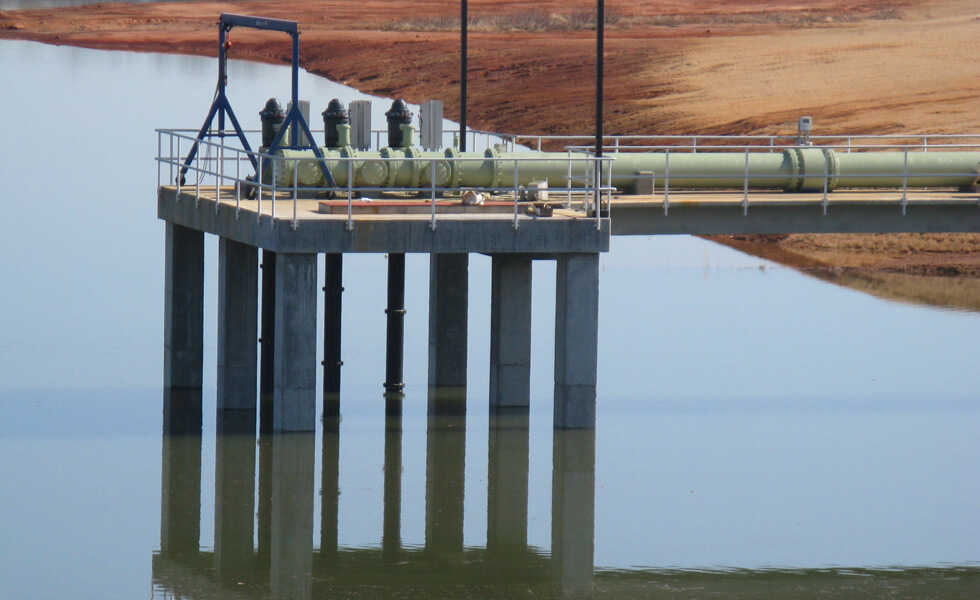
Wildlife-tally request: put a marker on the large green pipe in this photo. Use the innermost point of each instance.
(792, 170)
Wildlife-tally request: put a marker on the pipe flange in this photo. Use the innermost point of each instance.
(387, 155)
(349, 153)
(792, 156)
(495, 167)
(455, 168)
(415, 164)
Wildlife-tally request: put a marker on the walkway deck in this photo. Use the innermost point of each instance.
(280, 229)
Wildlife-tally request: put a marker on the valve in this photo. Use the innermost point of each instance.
(397, 116)
(272, 117)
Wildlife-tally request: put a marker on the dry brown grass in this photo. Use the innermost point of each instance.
(583, 20)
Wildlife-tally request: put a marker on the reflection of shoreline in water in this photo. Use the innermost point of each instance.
(936, 284)
(956, 293)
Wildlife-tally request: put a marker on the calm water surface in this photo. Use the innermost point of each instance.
(760, 433)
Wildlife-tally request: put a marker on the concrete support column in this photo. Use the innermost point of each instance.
(507, 483)
(448, 311)
(295, 343)
(291, 560)
(573, 512)
(238, 305)
(183, 353)
(234, 493)
(576, 340)
(510, 331)
(180, 505)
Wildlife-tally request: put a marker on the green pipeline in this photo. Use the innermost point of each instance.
(792, 170)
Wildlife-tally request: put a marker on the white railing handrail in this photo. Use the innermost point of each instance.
(214, 156)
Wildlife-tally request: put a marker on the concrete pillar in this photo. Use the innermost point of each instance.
(291, 561)
(448, 310)
(234, 493)
(268, 339)
(183, 354)
(238, 305)
(573, 512)
(180, 503)
(510, 331)
(576, 340)
(295, 343)
(507, 483)
(445, 462)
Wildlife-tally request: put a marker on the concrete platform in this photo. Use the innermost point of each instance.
(273, 226)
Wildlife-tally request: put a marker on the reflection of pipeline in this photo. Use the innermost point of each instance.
(792, 170)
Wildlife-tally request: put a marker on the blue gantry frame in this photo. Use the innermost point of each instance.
(294, 121)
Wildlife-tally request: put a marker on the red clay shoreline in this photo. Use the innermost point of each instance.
(716, 67)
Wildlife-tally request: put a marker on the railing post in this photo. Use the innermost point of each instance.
(666, 181)
(171, 161)
(159, 152)
(745, 198)
(258, 182)
(568, 182)
(179, 177)
(350, 195)
(238, 184)
(217, 177)
(826, 179)
(295, 222)
(517, 190)
(905, 181)
(432, 180)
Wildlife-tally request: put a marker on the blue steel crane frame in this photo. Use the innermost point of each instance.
(221, 107)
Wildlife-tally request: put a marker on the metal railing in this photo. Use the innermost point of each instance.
(220, 166)
(826, 176)
(695, 143)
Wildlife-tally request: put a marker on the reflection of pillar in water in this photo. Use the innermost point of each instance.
(391, 540)
(264, 513)
(234, 493)
(444, 481)
(291, 548)
(329, 488)
(180, 504)
(507, 481)
(573, 511)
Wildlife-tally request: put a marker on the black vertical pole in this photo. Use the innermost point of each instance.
(396, 324)
(267, 337)
(463, 28)
(600, 28)
(332, 296)
(600, 43)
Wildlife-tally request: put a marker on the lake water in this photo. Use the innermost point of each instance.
(760, 433)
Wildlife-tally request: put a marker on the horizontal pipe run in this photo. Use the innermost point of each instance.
(792, 170)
